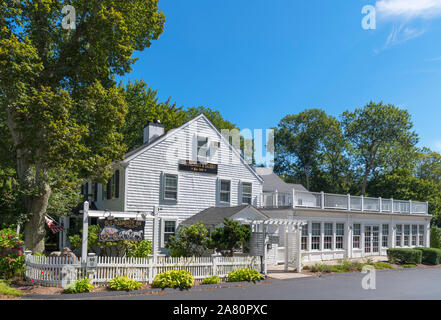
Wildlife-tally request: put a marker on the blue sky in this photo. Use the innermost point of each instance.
(257, 60)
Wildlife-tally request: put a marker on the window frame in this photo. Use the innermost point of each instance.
(242, 183)
(164, 187)
(163, 232)
(339, 238)
(398, 235)
(304, 238)
(385, 236)
(356, 236)
(328, 239)
(224, 192)
(317, 236)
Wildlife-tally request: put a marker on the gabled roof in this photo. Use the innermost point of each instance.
(272, 182)
(134, 153)
(214, 216)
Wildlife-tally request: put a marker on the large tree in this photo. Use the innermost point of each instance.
(58, 95)
(374, 131)
(305, 141)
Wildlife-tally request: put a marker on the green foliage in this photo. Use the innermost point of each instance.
(232, 235)
(11, 254)
(6, 290)
(174, 279)
(79, 286)
(346, 266)
(374, 131)
(190, 241)
(140, 249)
(431, 255)
(123, 283)
(402, 184)
(59, 96)
(211, 280)
(404, 256)
(244, 274)
(303, 139)
(408, 265)
(435, 237)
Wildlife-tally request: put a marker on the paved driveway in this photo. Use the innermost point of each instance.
(414, 283)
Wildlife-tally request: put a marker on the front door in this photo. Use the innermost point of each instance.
(371, 240)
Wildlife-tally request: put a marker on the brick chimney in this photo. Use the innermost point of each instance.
(153, 130)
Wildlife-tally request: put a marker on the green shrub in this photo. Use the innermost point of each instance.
(408, 265)
(6, 290)
(318, 267)
(123, 283)
(11, 254)
(211, 280)
(140, 249)
(79, 286)
(174, 279)
(435, 237)
(404, 256)
(431, 255)
(382, 265)
(245, 274)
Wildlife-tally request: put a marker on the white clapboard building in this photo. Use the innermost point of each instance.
(192, 173)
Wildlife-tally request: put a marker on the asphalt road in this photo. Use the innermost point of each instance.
(412, 283)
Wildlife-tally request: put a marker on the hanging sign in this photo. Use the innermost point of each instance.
(186, 165)
(118, 230)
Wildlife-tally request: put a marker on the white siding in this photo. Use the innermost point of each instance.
(196, 191)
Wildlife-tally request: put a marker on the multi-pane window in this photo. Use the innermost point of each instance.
(414, 234)
(202, 149)
(170, 187)
(385, 235)
(398, 235)
(169, 230)
(327, 240)
(315, 236)
(339, 235)
(304, 243)
(421, 235)
(225, 190)
(246, 192)
(356, 236)
(406, 235)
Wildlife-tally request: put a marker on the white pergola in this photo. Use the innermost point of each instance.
(292, 240)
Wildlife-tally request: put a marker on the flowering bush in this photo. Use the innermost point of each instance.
(11, 254)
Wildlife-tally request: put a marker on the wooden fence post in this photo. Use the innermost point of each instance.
(85, 231)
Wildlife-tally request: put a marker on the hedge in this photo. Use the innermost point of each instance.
(404, 256)
(435, 237)
(431, 255)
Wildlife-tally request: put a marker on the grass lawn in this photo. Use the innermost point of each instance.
(6, 290)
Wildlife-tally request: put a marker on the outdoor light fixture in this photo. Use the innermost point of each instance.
(109, 216)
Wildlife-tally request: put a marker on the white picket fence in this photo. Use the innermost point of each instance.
(50, 271)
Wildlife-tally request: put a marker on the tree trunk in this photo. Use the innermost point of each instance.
(366, 174)
(35, 205)
(34, 180)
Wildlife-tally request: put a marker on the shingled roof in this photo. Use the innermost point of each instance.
(272, 182)
(214, 216)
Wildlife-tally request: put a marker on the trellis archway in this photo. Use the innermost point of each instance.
(292, 240)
